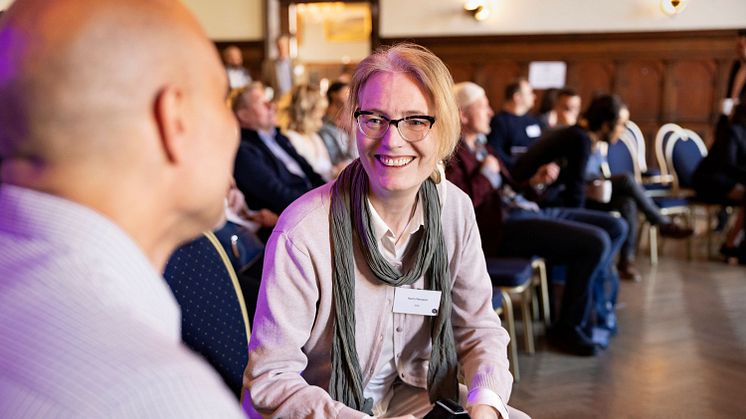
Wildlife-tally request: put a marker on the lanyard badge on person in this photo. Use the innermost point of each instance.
(414, 301)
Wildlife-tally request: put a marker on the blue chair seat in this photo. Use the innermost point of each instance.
(669, 202)
(657, 186)
(497, 299)
(509, 272)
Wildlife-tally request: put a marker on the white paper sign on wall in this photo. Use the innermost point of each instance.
(547, 74)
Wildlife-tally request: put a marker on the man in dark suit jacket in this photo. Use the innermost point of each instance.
(268, 170)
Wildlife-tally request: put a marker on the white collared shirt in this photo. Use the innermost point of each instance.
(392, 248)
(88, 328)
(238, 77)
(290, 163)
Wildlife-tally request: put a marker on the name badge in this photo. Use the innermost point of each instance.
(517, 150)
(533, 131)
(413, 301)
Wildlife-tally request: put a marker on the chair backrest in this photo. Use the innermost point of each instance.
(633, 132)
(683, 152)
(622, 156)
(214, 321)
(665, 133)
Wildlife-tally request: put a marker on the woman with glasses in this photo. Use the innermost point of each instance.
(375, 296)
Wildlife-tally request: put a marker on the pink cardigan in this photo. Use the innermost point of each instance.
(289, 354)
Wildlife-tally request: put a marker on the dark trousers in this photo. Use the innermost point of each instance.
(585, 241)
(627, 197)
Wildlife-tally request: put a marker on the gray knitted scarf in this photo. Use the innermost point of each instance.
(350, 213)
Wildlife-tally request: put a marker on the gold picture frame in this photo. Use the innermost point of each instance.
(352, 24)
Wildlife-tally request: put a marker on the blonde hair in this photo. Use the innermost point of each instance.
(305, 99)
(429, 72)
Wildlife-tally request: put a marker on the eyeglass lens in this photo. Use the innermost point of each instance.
(412, 128)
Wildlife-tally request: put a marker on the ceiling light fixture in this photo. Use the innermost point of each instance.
(478, 9)
(673, 7)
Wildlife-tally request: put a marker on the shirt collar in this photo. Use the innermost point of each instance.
(380, 228)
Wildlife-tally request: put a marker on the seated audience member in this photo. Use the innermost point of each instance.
(583, 240)
(305, 114)
(566, 108)
(514, 129)
(571, 146)
(546, 114)
(245, 249)
(721, 175)
(333, 335)
(559, 108)
(626, 194)
(98, 190)
(238, 75)
(341, 148)
(268, 171)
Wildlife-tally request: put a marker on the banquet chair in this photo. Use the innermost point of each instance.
(214, 320)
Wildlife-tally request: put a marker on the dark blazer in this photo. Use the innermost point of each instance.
(264, 179)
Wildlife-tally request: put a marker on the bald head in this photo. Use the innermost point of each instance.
(73, 70)
(118, 105)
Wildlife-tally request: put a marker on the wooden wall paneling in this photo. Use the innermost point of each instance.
(461, 71)
(329, 71)
(639, 83)
(693, 82)
(590, 78)
(494, 76)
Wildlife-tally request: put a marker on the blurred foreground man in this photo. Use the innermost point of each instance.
(117, 146)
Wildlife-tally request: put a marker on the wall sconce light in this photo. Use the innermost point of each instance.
(673, 7)
(478, 9)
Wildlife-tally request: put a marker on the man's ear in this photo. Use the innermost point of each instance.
(242, 114)
(462, 117)
(170, 117)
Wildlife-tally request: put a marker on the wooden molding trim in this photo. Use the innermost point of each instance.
(658, 45)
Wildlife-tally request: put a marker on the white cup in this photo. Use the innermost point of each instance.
(599, 190)
(726, 106)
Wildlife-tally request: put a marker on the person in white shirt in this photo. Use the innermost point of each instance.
(106, 170)
(238, 75)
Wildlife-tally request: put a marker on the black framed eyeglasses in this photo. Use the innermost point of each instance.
(412, 128)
